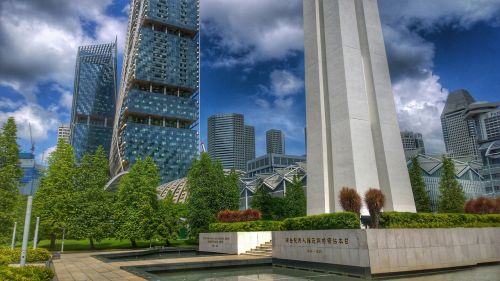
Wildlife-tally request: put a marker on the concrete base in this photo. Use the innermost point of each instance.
(385, 251)
(232, 242)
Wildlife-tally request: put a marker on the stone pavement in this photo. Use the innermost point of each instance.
(83, 267)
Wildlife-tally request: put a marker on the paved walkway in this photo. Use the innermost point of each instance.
(83, 267)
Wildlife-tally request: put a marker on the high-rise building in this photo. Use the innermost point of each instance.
(413, 144)
(486, 118)
(352, 129)
(226, 140)
(275, 141)
(249, 143)
(63, 132)
(94, 98)
(31, 173)
(459, 134)
(270, 162)
(157, 108)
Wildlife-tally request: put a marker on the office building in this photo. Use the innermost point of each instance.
(353, 136)
(158, 108)
(486, 118)
(413, 144)
(249, 143)
(270, 162)
(63, 132)
(459, 134)
(228, 142)
(275, 141)
(469, 179)
(94, 99)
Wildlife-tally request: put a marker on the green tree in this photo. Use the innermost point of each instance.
(421, 197)
(93, 206)
(295, 199)
(210, 192)
(53, 202)
(452, 197)
(263, 201)
(169, 219)
(10, 175)
(137, 204)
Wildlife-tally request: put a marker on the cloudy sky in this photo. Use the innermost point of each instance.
(252, 60)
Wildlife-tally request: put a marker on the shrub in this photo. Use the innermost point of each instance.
(428, 220)
(374, 200)
(245, 226)
(350, 200)
(26, 273)
(8, 255)
(481, 205)
(343, 220)
(238, 216)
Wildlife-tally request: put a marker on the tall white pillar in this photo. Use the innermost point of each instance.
(353, 137)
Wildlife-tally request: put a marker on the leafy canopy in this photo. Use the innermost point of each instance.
(452, 197)
(420, 195)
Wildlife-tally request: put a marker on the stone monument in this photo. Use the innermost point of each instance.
(353, 137)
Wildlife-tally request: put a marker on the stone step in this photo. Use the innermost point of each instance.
(258, 254)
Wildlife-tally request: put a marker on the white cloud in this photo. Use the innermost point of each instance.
(285, 83)
(44, 156)
(246, 32)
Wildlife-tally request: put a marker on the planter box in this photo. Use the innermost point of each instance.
(232, 242)
(381, 251)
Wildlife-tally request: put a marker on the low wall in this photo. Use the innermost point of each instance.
(379, 251)
(232, 242)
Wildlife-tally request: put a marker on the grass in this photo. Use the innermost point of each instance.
(106, 244)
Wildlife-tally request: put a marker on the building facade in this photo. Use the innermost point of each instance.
(468, 178)
(63, 132)
(353, 136)
(249, 143)
(275, 141)
(158, 108)
(413, 144)
(227, 140)
(486, 118)
(94, 99)
(270, 162)
(459, 134)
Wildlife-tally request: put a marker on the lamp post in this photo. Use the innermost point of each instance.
(35, 239)
(13, 236)
(26, 233)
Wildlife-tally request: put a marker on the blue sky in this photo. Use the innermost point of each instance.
(252, 60)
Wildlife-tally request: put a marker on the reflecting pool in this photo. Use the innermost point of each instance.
(265, 273)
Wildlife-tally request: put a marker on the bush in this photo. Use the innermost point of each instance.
(26, 273)
(428, 220)
(350, 200)
(238, 216)
(8, 255)
(345, 220)
(481, 205)
(245, 226)
(374, 200)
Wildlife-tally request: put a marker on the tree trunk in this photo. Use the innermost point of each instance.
(134, 244)
(92, 246)
(167, 243)
(52, 241)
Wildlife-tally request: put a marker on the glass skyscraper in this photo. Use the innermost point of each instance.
(94, 98)
(157, 108)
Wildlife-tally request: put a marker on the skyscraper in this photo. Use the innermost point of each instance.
(413, 144)
(249, 143)
(459, 134)
(486, 118)
(352, 130)
(157, 109)
(94, 98)
(230, 141)
(275, 141)
(63, 132)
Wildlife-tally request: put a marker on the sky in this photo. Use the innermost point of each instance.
(252, 61)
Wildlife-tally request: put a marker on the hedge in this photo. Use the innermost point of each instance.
(342, 220)
(245, 226)
(26, 273)
(8, 255)
(428, 220)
